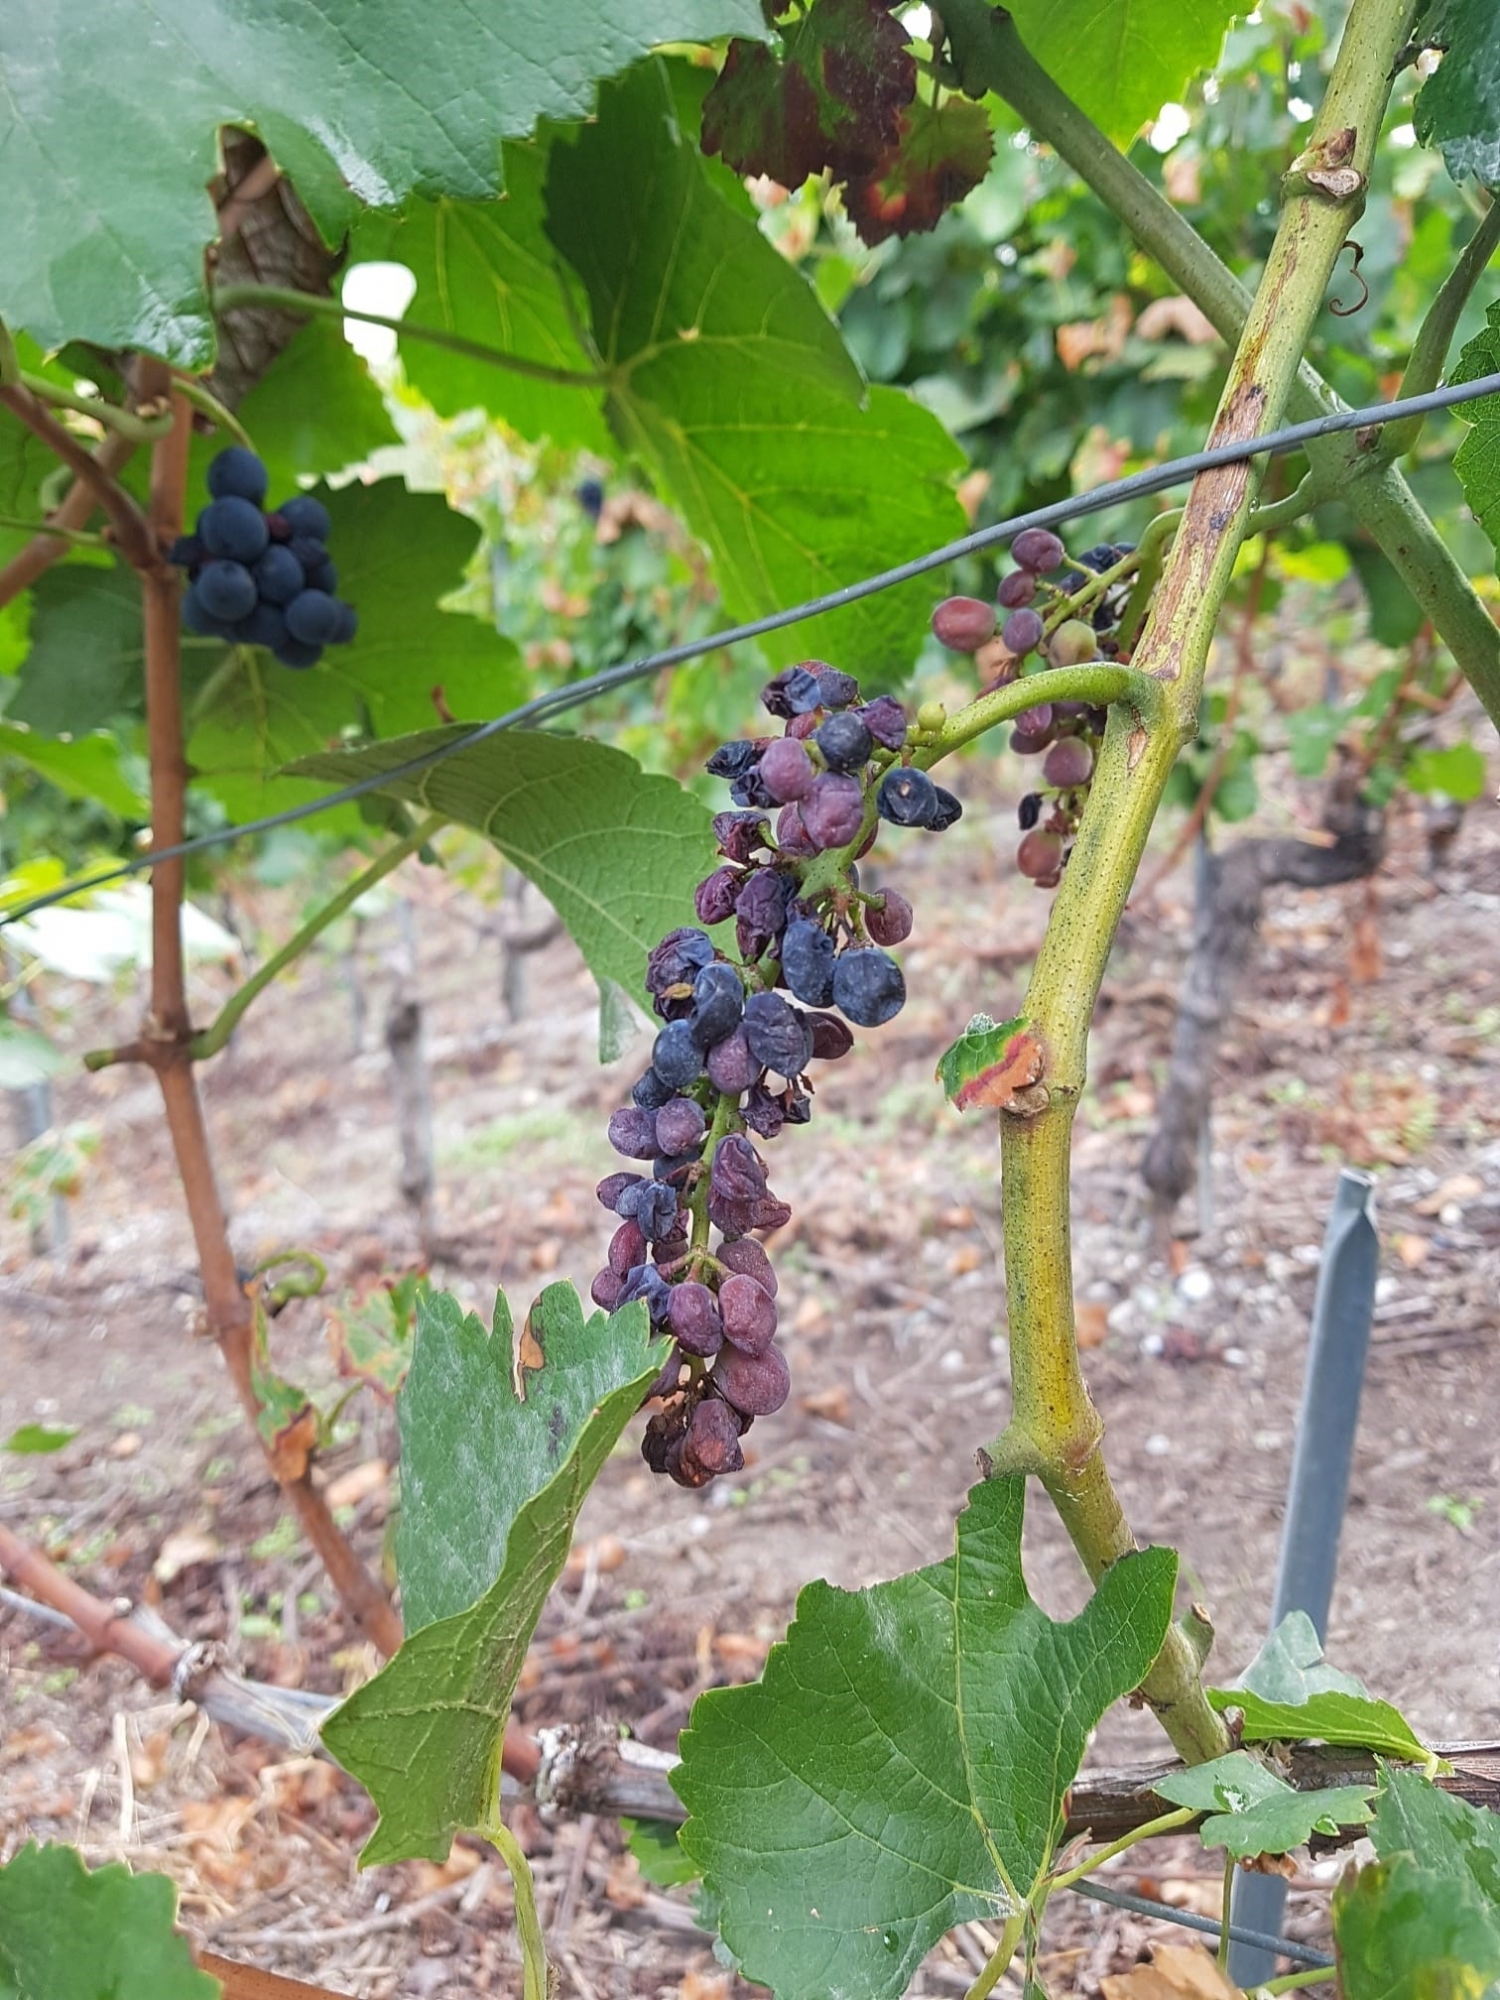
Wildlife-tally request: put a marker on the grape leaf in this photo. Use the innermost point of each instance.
(485, 270)
(1424, 1922)
(1477, 460)
(68, 1933)
(82, 669)
(34, 1438)
(901, 1765)
(371, 1338)
(833, 99)
(87, 768)
(1289, 1693)
(1459, 773)
(1120, 62)
(424, 1735)
(657, 1849)
(397, 553)
(732, 384)
(989, 1063)
(1251, 1811)
(359, 100)
(24, 463)
(1458, 107)
(614, 850)
(942, 152)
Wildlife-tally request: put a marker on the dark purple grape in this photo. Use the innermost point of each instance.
(798, 1107)
(676, 1056)
(1016, 589)
(749, 1258)
(279, 577)
(236, 473)
(1022, 631)
(233, 528)
(868, 987)
(1068, 764)
(731, 1067)
(297, 653)
(748, 1312)
(739, 834)
(845, 742)
(627, 1248)
(1040, 854)
(613, 1186)
(907, 797)
(963, 623)
(712, 1445)
(734, 760)
(313, 617)
(718, 1002)
(676, 961)
(264, 627)
(1029, 811)
(693, 1315)
(946, 809)
(680, 1126)
(760, 911)
(786, 770)
(885, 719)
(646, 1282)
(187, 552)
(763, 1111)
(777, 1035)
(225, 590)
(754, 1384)
(831, 1037)
(890, 924)
(652, 1204)
(633, 1133)
(1033, 723)
(807, 953)
(196, 617)
(835, 689)
(348, 625)
(792, 836)
(606, 1290)
(306, 516)
(650, 1093)
(801, 727)
(794, 691)
(713, 899)
(1038, 550)
(833, 811)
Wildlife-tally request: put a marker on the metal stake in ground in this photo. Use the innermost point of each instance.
(1319, 1486)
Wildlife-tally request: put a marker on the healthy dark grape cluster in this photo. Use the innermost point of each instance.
(258, 578)
(737, 1038)
(1065, 734)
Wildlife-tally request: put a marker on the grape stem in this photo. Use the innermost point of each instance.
(286, 298)
(139, 429)
(534, 1969)
(1102, 683)
(1055, 1431)
(726, 1119)
(74, 537)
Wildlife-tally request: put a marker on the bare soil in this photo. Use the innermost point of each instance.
(1370, 1033)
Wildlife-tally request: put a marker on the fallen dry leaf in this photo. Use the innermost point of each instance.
(126, 1445)
(605, 1554)
(967, 1257)
(831, 1404)
(358, 1483)
(705, 1986)
(461, 1863)
(1091, 1321)
(1176, 1972)
(182, 1548)
(1411, 1249)
(1457, 1187)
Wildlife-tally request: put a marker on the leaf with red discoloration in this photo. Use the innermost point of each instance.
(834, 100)
(989, 1063)
(943, 151)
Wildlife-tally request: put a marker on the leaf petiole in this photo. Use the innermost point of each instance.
(1165, 1823)
(534, 1968)
(1000, 1958)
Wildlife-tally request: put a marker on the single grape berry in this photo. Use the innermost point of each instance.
(836, 689)
(946, 809)
(794, 691)
(760, 911)
(963, 623)
(650, 1093)
(732, 760)
(1016, 589)
(907, 797)
(748, 1312)
(717, 1004)
(833, 811)
(693, 1315)
(297, 653)
(786, 770)
(731, 1067)
(197, 617)
(1022, 631)
(1068, 764)
(713, 899)
(712, 1445)
(885, 719)
(347, 626)
(187, 552)
(676, 1056)
(633, 1133)
(1038, 550)
(627, 1248)
(264, 627)
(652, 1205)
(754, 1384)
(1072, 643)
(868, 987)
(225, 590)
(236, 473)
(845, 742)
(680, 1126)
(1029, 811)
(614, 1187)
(807, 953)
(775, 1034)
(279, 577)
(306, 516)
(233, 528)
(676, 960)
(739, 834)
(606, 1289)
(891, 924)
(1040, 854)
(792, 836)
(313, 617)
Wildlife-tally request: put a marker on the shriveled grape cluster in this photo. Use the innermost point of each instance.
(1065, 734)
(732, 1056)
(258, 578)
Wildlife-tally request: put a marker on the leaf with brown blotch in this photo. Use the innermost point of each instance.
(942, 152)
(989, 1063)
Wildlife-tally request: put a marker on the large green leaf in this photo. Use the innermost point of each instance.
(1424, 1923)
(485, 270)
(424, 1736)
(1477, 460)
(87, 768)
(1251, 1811)
(68, 1934)
(1458, 108)
(397, 553)
(1289, 1692)
(83, 667)
(615, 851)
(729, 380)
(24, 463)
(1124, 61)
(901, 1766)
(360, 100)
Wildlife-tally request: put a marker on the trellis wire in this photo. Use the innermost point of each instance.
(1142, 1906)
(557, 701)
